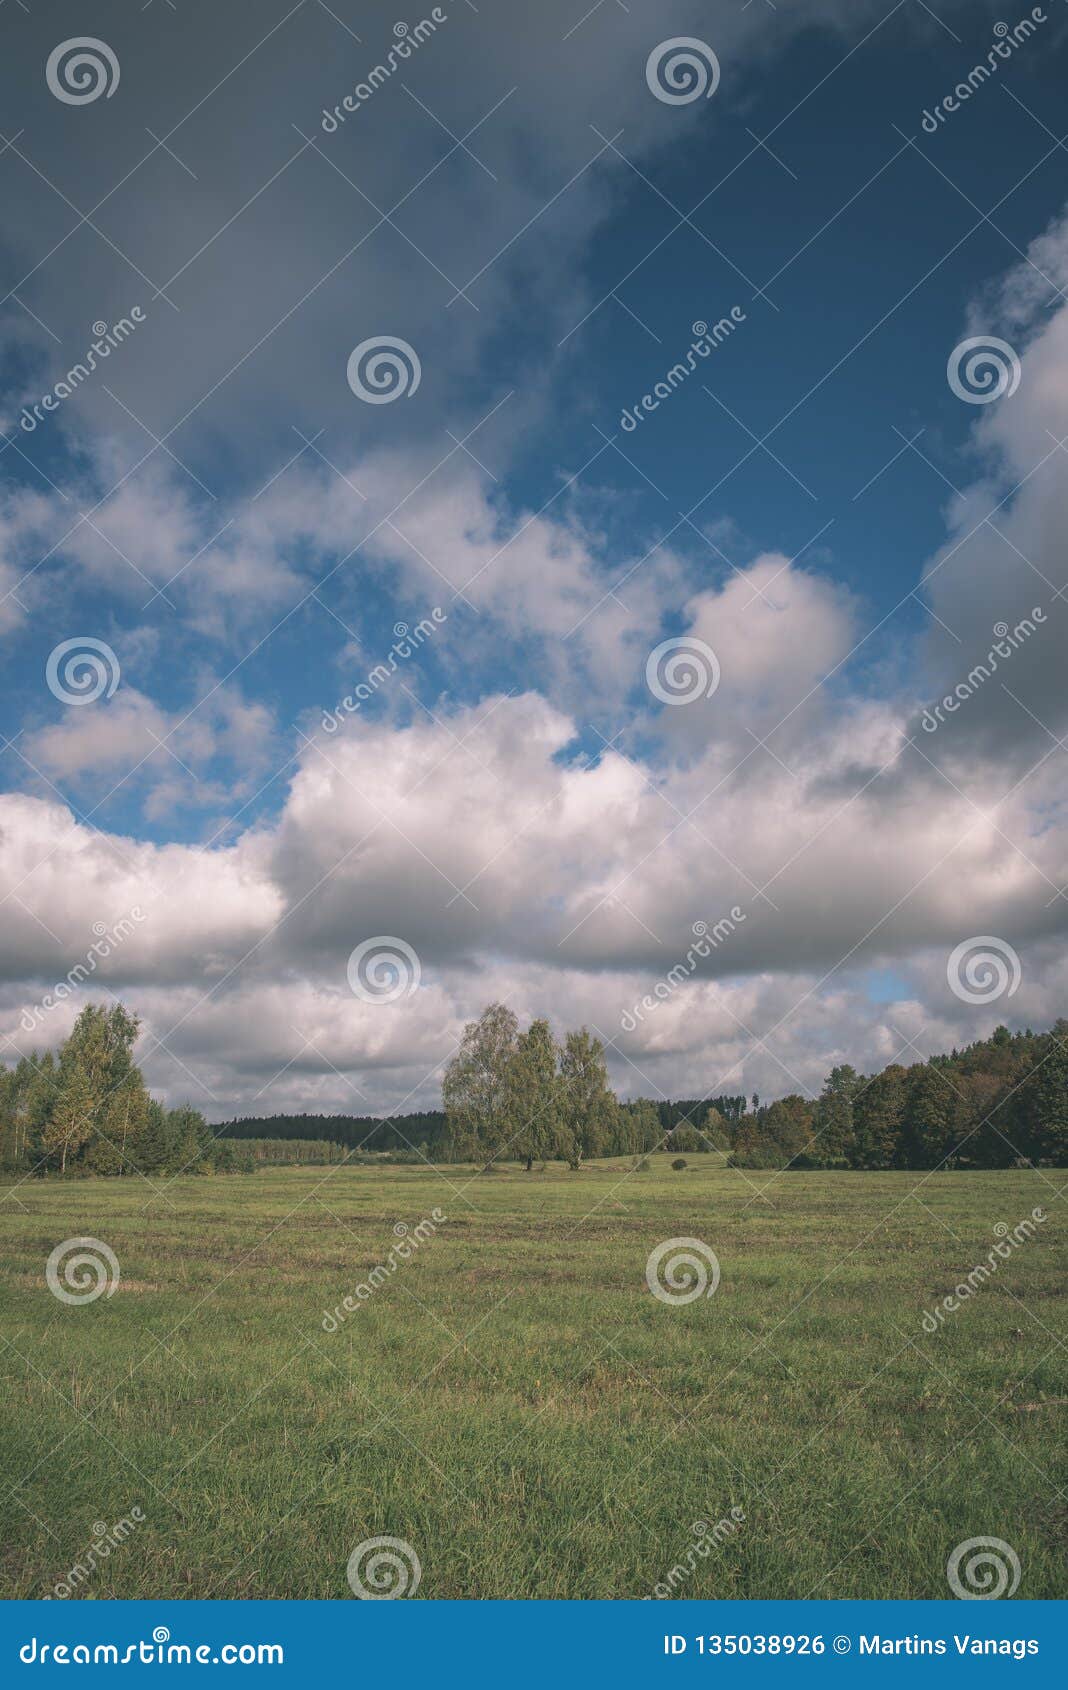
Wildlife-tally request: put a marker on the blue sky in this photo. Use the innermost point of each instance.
(245, 534)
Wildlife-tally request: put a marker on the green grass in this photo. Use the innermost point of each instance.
(514, 1403)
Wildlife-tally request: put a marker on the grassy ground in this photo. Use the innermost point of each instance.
(514, 1402)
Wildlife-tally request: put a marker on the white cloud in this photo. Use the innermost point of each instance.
(513, 865)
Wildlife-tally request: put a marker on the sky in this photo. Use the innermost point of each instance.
(530, 480)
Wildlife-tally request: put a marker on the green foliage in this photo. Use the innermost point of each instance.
(686, 1137)
(519, 1095)
(589, 1112)
(534, 1097)
(999, 1102)
(757, 1156)
(1045, 1105)
(289, 1152)
(639, 1127)
(933, 1118)
(789, 1125)
(396, 1134)
(834, 1136)
(153, 1152)
(715, 1129)
(477, 1089)
(87, 1109)
(878, 1115)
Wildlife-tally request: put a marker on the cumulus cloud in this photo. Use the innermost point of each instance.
(515, 856)
(1004, 555)
(366, 251)
(553, 843)
(510, 859)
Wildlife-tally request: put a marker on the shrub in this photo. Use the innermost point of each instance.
(760, 1156)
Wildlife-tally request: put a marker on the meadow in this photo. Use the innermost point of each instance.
(513, 1401)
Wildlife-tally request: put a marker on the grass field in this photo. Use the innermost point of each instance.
(514, 1403)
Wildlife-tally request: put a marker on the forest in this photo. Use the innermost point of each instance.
(519, 1094)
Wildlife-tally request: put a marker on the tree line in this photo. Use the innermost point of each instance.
(1000, 1101)
(511, 1094)
(370, 1133)
(520, 1095)
(287, 1152)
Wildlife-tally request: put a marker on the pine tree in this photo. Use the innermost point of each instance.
(833, 1125)
(931, 1128)
(153, 1152)
(878, 1119)
(1051, 1101)
(191, 1138)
